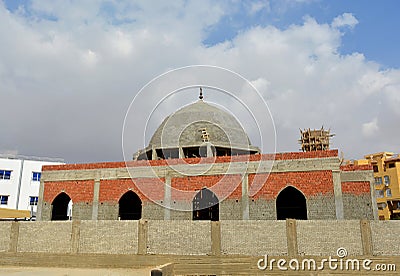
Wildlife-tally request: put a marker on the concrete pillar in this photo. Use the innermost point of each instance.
(209, 150)
(366, 237)
(374, 205)
(14, 233)
(291, 235)
(167, 198)
(216, 238)
(95, 206)
(39, 214)
(245, 197)
(181, 154)
(75, 236)
(337, 189)
(142, 236)
(153, 154)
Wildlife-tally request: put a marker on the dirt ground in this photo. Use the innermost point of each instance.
(55, 271)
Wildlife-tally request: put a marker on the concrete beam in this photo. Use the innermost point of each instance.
(354, 176)
(304, 165)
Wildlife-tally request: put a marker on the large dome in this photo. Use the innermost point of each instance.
(186, 131)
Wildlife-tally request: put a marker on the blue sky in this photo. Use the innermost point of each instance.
(376, 35)
(331, 63)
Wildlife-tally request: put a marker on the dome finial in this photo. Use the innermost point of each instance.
(201, 94)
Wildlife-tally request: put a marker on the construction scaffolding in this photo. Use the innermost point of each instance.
(314, 140)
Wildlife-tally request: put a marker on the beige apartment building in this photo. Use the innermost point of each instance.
(386, 166)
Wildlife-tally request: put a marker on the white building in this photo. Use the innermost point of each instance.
(20, 181)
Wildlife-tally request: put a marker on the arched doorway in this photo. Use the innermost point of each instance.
(291, 204)
(205, 205)
(130, 206)
(60, 210)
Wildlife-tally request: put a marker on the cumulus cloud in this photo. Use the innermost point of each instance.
(345, 20)
(67, 78)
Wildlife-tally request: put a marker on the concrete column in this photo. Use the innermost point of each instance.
(181, 154)
(373, 197)
(14, 233)
(245, 197)
(75, 236)
(209, 150)
(39, 214)
(216, 238)
(337, 188)
(153, 154)
(95, 206)
(291, 235)
(142, 236)
(366, 237)
(167, 198)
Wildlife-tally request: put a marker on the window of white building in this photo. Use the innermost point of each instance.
(3, 199)
(33, 200)
(36, 176)
(4, 174)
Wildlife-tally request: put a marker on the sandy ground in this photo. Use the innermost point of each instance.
(62, 271)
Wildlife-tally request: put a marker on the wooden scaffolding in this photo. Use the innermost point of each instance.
(313, 140)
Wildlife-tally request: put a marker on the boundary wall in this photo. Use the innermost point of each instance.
(201, 238)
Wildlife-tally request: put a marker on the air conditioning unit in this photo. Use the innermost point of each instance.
(387, 184)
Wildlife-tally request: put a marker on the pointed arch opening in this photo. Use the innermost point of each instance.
(130, 206)
(205, 205)
(61, 207)
(291, 204)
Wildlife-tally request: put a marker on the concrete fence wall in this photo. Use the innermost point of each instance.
(250, 238)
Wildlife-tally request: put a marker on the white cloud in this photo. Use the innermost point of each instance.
(345, 20)
(71, 80)
(371, 128)
(258, 6)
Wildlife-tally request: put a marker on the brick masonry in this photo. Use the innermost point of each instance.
(247, 238)
(96, 237)
(43, 236)
(5, 232)
(179, 237)
(385, 237)
(357, 200)
(325, 237)
(157, 183)
(254, 238)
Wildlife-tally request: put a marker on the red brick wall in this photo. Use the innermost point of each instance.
(356, 188)
(78, 191)
(224, 186)
(145, 188)
(352, 167)
(309, 183)
(222, 159)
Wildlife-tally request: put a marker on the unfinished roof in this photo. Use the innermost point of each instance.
(197, 123)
